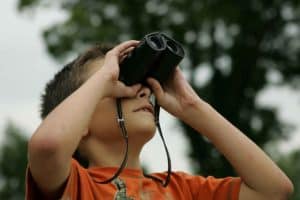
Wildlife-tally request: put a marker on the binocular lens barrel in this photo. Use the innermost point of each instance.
(155, 42)
(156, 56)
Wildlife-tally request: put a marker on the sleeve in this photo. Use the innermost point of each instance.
(72, 185)
(70, 188)
(213, 188)
(32, 190)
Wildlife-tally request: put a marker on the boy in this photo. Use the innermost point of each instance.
(79, 114)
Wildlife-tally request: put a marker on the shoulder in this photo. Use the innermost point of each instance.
(199, 179)
(205, 187)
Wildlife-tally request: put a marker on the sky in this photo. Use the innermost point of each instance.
(25, 68)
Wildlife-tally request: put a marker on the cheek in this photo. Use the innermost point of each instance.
(104, 123)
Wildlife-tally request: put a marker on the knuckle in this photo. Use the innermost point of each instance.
(108, 54)
(112, 52)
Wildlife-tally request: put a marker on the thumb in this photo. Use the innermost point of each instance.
(156, 87)
(127, 91)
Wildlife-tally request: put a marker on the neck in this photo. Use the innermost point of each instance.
(111, 154)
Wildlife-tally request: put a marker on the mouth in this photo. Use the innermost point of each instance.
(145, 108)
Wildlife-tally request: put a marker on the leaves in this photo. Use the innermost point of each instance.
(13, 162)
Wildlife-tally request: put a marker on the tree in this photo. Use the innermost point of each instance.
(13, 162)
(241, 45)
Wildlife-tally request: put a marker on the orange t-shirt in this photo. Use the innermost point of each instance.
(132, 185)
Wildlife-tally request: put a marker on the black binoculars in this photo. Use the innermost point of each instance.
(155, 56)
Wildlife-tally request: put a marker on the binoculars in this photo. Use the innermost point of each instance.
(155, 56)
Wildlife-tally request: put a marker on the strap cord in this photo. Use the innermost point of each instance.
(125, 136)
(167, 180)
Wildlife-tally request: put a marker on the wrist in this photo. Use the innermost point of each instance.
(203, 118)
(102, 81)
(192, 109)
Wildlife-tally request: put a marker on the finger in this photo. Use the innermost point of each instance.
(124, 54)
(179, 71)
(122, 58)
(128, 50)
(132, 91)
(179, 76)
(128, 91)
(115, 55)
(135, 88)
(124, 46)
(156, 87)
(175, 78)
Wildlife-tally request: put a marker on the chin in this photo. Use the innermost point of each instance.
(143, 128)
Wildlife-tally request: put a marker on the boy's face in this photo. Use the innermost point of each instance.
(138, 114)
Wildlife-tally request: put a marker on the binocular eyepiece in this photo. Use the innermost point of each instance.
(156, 56)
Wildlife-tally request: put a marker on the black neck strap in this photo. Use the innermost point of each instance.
(167, 180)
(125, 136)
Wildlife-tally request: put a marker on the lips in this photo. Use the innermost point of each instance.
(145, 108)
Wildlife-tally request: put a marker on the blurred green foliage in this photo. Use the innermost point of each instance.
(13, 162)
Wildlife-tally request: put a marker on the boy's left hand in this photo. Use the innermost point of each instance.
(176, 96)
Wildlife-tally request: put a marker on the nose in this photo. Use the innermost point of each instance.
(144, 92)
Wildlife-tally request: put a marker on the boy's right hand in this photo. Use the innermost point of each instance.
(110, 71)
